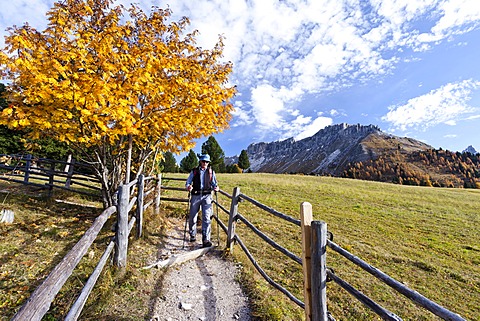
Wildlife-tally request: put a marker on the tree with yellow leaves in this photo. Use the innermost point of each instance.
(126, 87)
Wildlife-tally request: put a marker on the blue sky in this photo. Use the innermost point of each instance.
(410, 67)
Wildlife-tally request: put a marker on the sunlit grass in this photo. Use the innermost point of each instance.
(426, 238)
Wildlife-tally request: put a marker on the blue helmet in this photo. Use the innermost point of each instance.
(205, 158)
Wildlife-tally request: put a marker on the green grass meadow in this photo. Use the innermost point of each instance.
(426, 238)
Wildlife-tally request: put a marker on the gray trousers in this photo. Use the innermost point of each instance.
(205, 202)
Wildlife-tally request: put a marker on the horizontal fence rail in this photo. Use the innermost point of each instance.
(271, 210)
(29, 170)
(41, 299)
(265, 275)
(77, 307)
(217, 219)
(378, 309)
(269, 240)
(235, 215)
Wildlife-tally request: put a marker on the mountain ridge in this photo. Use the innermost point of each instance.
(365, 152)
(328, 152)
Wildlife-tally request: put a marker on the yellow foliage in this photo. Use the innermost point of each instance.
(92, 78)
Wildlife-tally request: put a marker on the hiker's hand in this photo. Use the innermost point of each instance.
(189, 188)
(216, 189)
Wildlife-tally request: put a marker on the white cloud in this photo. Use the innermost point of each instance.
(334, 112)
(444, 105)
(267, 106)
(313, 127)
(242, 116)
(457, 13)
(284, 50)
(273, 116)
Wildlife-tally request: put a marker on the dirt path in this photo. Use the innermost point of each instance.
(200, 289)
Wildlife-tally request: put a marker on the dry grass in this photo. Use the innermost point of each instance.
(130, 294)
(44, 230)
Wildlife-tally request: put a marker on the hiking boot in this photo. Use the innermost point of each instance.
(207, 244)
(193, 238)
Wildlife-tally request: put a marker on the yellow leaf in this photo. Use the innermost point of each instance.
(86, 112)
(7, 112)
(24, 122)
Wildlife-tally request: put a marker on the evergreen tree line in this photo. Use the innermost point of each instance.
(217, 160)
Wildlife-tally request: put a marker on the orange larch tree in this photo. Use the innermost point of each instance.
(115, 82)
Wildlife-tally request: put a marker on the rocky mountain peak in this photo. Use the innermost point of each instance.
(327, 152)
(470, 150)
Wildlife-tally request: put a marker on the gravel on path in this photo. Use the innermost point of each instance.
(201, 289)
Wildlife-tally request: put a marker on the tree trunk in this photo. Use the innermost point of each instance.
(129, 160)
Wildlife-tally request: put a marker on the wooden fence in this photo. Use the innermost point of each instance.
(315, 241)
(49, 174)
(133, 194)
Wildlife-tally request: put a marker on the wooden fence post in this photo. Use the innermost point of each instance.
(67, 166)
(139, 211)
(306, 221)
(231, 218)
(121, 232)
(319, 271)
(157, 193)
(51, 178)
(70, 165)
(27, 168)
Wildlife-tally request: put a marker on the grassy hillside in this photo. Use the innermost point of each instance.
(427, 238)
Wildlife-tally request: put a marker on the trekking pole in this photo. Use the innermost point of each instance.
(186, 220)
(218, 230)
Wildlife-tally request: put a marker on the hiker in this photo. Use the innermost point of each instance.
(201, 183)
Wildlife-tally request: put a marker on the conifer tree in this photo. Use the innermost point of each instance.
(234, 168)
(243, 161)
(9, 139)
(3, 101)
(217, 156)
(189, 162)
(169, 163)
